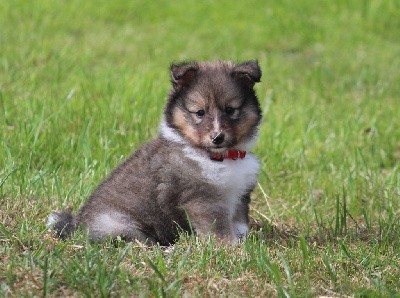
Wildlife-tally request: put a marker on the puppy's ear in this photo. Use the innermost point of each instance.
(249, 72)
(183, 73)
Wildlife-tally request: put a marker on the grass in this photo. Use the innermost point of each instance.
(82, 85)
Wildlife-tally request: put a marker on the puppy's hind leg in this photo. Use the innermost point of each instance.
(112, 224)
(135, 234)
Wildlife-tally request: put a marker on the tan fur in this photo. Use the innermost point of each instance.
(179, 120)
(242, 131)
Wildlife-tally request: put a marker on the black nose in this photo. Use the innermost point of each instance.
(217, 137)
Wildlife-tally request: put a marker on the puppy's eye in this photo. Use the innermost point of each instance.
(230, 111)
(200, 113)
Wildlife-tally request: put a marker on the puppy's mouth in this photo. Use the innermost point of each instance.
(220, 148)
(217, 149)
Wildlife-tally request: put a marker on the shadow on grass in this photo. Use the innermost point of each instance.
(384, 234)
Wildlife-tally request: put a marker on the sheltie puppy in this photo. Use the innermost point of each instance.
(196, 176)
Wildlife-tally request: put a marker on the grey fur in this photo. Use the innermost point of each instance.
(161, 190)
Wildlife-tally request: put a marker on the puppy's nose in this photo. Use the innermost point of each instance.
(217, 137)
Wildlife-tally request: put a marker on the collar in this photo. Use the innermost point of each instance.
(229, 154)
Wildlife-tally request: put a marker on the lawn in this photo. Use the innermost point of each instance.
(83, 84)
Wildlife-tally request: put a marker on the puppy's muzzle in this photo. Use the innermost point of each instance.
(217, 137)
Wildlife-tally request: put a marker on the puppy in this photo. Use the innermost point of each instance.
(195, 176)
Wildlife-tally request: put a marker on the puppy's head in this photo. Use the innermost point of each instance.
(213, 106)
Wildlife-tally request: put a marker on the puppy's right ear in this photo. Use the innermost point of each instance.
(183, 73)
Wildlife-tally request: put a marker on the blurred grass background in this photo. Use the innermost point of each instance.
(83, 84)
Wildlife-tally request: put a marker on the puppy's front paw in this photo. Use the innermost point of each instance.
(241, 230)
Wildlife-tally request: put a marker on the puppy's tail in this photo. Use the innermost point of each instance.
(62, 223)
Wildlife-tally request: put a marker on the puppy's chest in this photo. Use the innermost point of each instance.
(234, 178)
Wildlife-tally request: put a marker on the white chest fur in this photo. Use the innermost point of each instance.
(233, 177)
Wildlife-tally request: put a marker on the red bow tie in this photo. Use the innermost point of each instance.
(230, 154)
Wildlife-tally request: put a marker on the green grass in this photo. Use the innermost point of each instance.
(83, 84)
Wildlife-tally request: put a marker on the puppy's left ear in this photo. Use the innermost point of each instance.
(249, 72)
(182, 74)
